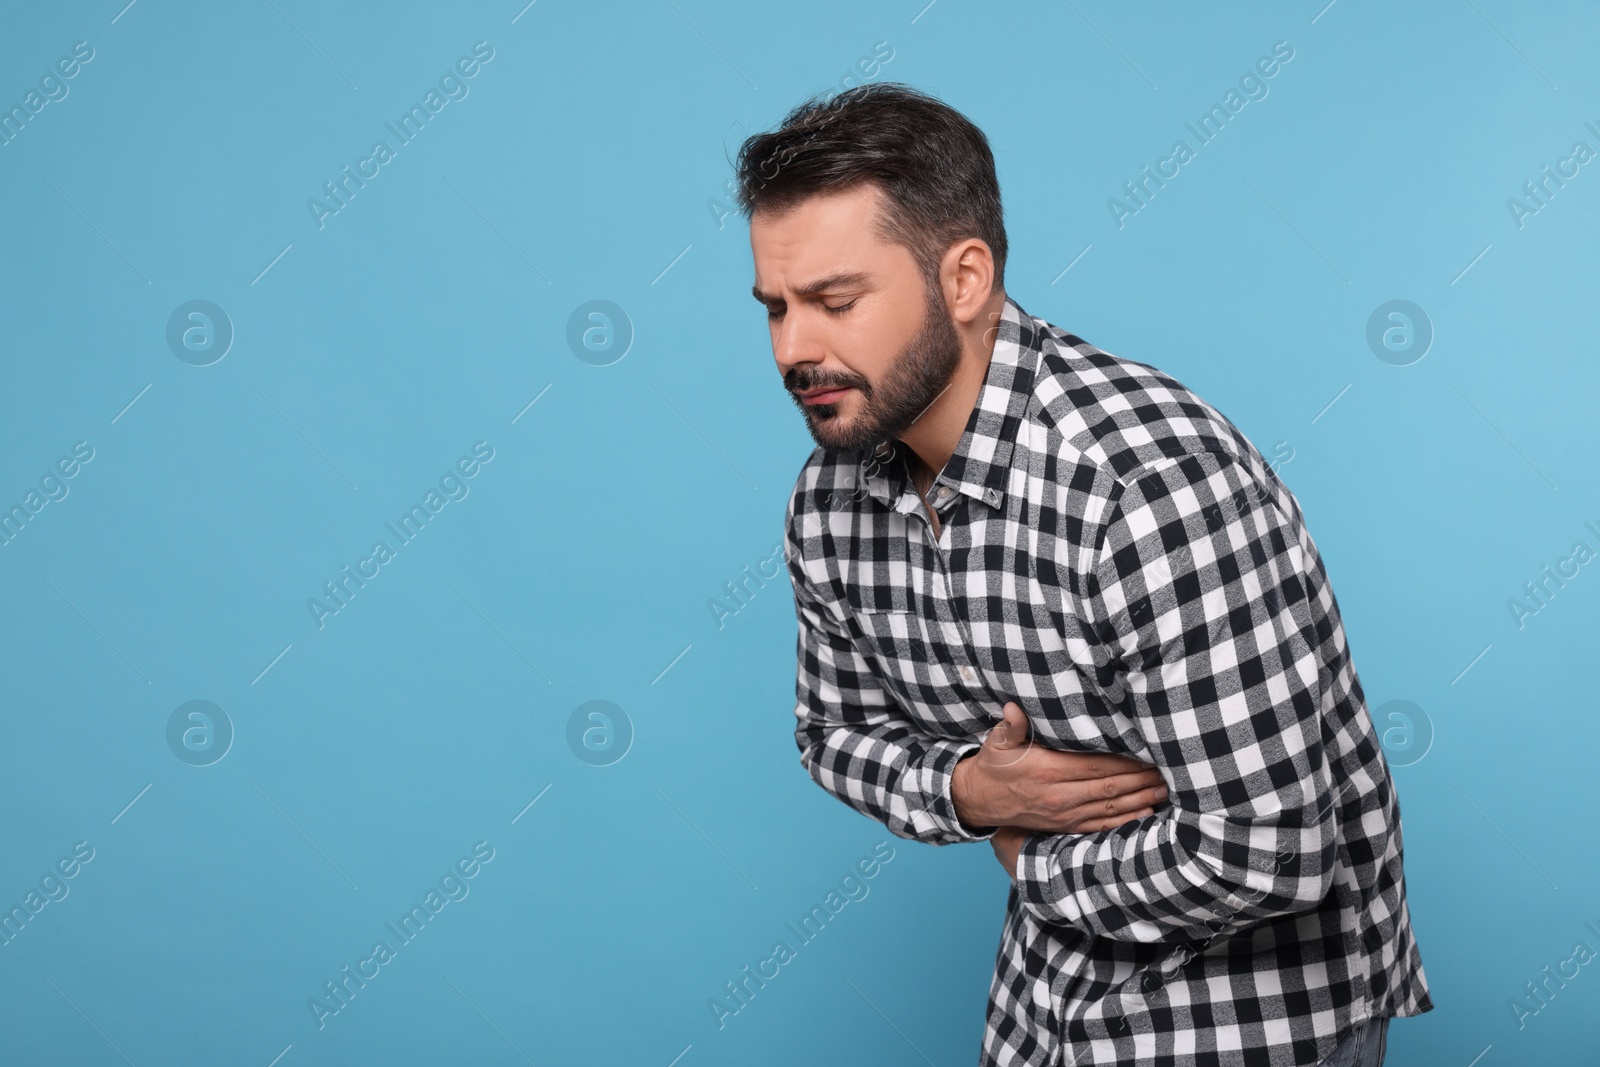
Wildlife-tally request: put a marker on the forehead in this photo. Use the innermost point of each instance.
(820, 234)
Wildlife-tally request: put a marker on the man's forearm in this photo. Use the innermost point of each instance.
(892, 775)
(1166, 878)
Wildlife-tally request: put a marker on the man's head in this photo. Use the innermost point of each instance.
(875, 221)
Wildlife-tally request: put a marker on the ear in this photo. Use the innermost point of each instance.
(966, 274)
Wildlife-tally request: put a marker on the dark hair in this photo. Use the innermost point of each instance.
(933, 165)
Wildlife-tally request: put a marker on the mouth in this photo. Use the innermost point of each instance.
(824, 396)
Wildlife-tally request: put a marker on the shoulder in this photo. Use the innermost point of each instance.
(1131, 444)
(1126, 419)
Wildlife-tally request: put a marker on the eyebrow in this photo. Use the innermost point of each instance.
(838, 280)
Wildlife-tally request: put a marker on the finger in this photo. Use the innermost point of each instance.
(1151, 797)
(1097, 825)
(1012, 729)
(1118, 807)
(1111, 796)
(1076, 812)
(1009, 740)
(1088, 765)
(1116, 785)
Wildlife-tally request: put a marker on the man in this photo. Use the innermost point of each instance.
(1050, 598)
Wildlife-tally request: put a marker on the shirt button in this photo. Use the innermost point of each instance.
(943, 494)
(967, 674)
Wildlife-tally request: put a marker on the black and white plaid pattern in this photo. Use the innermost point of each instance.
(1119, 559)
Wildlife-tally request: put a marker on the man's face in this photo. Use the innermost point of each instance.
(863, 345)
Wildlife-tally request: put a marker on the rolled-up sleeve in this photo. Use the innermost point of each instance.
(1198, 596)
(854, 740)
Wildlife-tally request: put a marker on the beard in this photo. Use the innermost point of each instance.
(914, 380)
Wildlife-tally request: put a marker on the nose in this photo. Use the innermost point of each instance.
(793, 343)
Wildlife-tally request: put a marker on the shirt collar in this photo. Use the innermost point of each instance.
(981, 462)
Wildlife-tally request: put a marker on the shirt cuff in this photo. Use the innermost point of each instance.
(933, 780)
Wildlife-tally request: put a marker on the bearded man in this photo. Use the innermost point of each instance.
(1051, 599)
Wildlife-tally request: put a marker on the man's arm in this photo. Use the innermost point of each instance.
(1200, 598)
(854, 741)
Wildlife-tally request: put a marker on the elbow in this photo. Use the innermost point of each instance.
(1280, 892)
(1297, 877)
(1295, 882)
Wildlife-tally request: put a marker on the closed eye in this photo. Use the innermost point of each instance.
(830, 309)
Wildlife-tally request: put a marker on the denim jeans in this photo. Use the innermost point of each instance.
(1363, 1048)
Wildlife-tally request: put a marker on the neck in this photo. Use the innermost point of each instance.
(936, 433)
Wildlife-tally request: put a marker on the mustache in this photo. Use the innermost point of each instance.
(797, 381)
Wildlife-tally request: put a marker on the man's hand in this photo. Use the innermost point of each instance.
(1007, 842)
(1012, 783)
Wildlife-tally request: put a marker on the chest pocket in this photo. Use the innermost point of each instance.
(919, 661)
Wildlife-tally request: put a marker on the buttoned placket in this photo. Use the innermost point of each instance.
(910, 502)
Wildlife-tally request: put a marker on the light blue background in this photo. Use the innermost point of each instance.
(427, 315)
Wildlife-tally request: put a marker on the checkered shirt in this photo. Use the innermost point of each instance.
(1115, 556)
